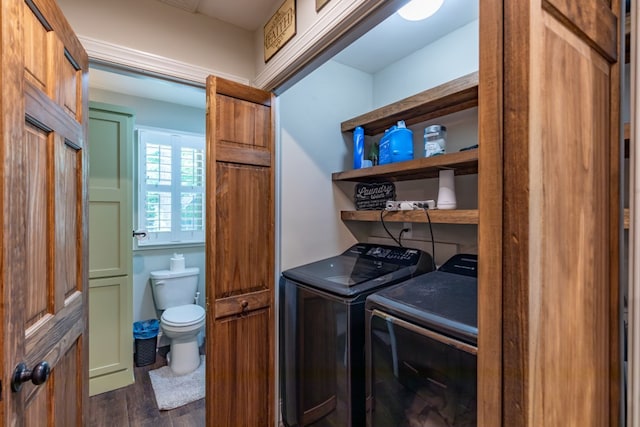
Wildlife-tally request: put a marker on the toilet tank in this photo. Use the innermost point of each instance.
(174, 288)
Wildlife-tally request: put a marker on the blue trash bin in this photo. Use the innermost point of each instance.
(145, 333)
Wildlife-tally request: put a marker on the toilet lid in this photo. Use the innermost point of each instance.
(183, 315)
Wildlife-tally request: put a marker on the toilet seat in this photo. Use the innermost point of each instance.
(183, 315)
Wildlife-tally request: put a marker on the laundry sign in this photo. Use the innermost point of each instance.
(369, 197)
(279, 29)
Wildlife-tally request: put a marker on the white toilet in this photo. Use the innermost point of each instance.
(174, 293)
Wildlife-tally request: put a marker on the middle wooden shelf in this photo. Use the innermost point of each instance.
(463, 162)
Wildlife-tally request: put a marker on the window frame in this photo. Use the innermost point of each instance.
(177, 140)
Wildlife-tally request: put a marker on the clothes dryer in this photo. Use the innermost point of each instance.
(422, 349)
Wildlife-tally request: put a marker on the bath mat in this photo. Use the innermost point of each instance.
(173, 390)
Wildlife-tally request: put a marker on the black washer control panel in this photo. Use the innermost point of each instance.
(390, 254)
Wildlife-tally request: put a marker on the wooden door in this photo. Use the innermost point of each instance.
(44, 251)
(240, 255)
(110, 252)
(548, 351)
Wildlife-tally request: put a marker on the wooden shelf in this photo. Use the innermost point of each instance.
(627, 139)
(626, 218)
(456, 95)
(437, 216)
(463, 162)
(627, 36)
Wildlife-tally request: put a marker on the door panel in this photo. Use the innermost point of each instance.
(555, 146)
(240, 255)
(242, 368)
(110, 248)
(242, 193)
(44, 211)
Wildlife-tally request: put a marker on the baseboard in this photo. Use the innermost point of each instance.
(109, 382)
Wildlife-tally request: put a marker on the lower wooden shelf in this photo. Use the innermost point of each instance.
(460, 216)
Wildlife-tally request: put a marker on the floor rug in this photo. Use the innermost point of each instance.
(173, 390)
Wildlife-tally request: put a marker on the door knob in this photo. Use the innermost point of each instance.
(37, 375)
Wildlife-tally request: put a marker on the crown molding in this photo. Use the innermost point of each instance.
(102, 51)
(319, 41)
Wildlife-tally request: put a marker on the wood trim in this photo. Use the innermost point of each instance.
(633, 380)
(455, 216)
(242, 304)
(615, 218)
(237, 90)
(230, 153)
(596, 19)
(36, 101)
(12, 169)
(515, 211)
(456, 95)
(490, 206)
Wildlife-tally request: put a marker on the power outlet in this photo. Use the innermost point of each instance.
(408, 226)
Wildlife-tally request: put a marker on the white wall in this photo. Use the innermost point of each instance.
(150, 112)
(156, 28)
(311, 148)
(452, 56)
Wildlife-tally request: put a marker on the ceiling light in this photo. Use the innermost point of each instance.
(417, 10)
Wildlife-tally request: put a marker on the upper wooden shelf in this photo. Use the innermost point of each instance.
(627, 138)
(455, 95)
(463, 162)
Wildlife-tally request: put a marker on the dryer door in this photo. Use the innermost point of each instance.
(418, 376)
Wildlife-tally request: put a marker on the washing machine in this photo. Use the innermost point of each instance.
(322, 331)
(422, 349)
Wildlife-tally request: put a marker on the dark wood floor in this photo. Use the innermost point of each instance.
(135, 405)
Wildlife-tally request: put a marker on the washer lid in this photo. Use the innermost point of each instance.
(183, 315)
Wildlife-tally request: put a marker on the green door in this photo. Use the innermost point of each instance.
(110, 250)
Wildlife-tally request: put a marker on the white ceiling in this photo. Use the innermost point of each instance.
(392, 39)
(395, 38)
(247, 14)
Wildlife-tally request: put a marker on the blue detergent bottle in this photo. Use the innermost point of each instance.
(358, 147)
(400, 143)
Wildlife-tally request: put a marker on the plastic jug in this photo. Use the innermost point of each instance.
(397, 144)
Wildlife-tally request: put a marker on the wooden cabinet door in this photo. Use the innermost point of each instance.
(44, 209)
(240, 255)
(549, 213)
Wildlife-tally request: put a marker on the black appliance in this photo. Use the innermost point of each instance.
(322, 332)
(422, 349)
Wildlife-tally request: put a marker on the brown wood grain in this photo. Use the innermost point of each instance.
(463, 162)
(490, 205)
(240, 247)
(456, 95)
(455, 216)
(241, 378)
(43, 192)
(242, 303)
(515, 208)
(560, 258)
(594, 21)
(615, 236)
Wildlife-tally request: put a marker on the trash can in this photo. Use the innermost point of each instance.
(145, 333)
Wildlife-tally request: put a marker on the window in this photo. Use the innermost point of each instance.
(171, 178)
